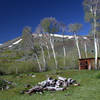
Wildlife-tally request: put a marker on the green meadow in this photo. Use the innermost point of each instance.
(89, 88)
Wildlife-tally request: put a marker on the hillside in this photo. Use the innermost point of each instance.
(13, 55)
(69, 40)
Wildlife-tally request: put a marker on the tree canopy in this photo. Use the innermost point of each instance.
(74, 28)
(27, 41)
(50, 25)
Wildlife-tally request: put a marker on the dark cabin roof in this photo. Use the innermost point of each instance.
(88, 58)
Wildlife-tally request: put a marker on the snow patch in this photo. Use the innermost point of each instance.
(85, 38)
(70, 37)
(10, 46)
(15, 43)
(59, 36)
(56, 35)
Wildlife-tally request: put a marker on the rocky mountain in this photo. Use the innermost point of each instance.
(15, 42)
(69, 43)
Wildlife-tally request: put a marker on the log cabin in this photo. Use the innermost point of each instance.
(88, 63)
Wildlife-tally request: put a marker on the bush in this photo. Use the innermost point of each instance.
(97, 75)
(10, 68)
(72, 60)
(51, 64)
(2, 84)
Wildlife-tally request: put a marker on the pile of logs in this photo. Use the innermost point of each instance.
(51, 84)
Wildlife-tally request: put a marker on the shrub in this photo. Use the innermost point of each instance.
(10, 68)
(51, 64)
(97, 75)
(2, 84)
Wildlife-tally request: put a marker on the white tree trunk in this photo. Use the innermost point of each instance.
(85, 46)
(44, 61)
(48, 50)
(96, 52)
(54, 54)
(98, 44)
(95, 40)
(64, 56)
(40, 68)
(77, 44)
(64, 50)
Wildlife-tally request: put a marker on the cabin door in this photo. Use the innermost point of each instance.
(84, 65)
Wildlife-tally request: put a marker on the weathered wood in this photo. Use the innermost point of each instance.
(53, 85)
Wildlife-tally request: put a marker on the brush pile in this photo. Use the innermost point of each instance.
(59, 84)
(5, 84)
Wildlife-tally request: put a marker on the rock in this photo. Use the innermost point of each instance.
(27, 86)
(33, 76)
(7, 87)
(22, 92)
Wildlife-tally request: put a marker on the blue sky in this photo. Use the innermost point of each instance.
(16, 14)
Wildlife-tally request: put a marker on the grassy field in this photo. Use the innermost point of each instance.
(88, 90)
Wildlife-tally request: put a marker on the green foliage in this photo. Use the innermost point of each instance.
(97, 75)
(50, 25)
(10, 67)
(92, 11)
(27, 39)
(72, 59)
(51, 64)
(60, 60)
(74, 28)
(20, 53)
(2, 84)
(88, 89)
(45, 23)
(88, 16)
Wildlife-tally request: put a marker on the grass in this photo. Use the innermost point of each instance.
(89, 89)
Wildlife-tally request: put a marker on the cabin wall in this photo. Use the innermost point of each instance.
(98, 64)
(90, 64)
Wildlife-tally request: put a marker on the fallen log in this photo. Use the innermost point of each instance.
(35, 90)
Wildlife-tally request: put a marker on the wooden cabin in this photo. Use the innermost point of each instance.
(88, 63)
